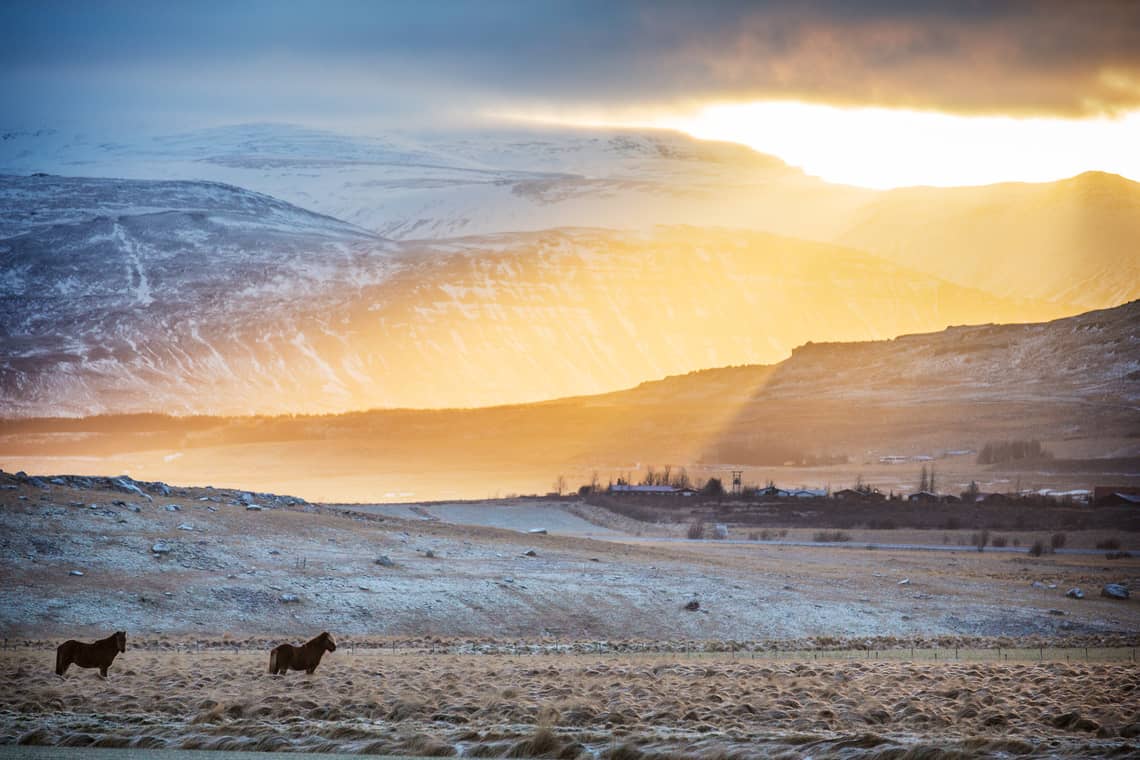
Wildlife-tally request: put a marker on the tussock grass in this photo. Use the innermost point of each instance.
(571, 706)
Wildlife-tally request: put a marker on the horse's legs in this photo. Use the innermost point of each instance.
(61, 664)
(103, 671)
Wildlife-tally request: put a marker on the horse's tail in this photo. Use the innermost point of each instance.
(273, 661)
(60, 667)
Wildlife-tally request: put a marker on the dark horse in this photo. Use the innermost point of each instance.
(307, 657)
(98, 655)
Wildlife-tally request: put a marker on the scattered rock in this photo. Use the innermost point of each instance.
(76, 572)
(253, 508)
(1038, 584)
(1114, 591)
(58, 481)
(429, 554)
(160, 548)
(289, 598)
(1075, 593)
(162, 488)
(530, 553)
(125, 483)
(385, 561)
(538, 531)
(692, 605)
(185, 526)
(904, 582)
(1057, 612)
(172, 508)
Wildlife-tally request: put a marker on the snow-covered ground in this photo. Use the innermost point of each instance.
(445, 184)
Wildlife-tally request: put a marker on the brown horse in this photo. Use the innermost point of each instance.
(98, 655)
(307, 657)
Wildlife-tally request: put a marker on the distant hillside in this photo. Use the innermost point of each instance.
(1073, 241)
(1073, 383)
(199, 298)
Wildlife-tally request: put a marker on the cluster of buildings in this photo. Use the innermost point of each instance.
(1101, 496)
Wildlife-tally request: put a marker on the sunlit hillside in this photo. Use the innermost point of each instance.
(825, 415)
(236, 303)
(1075, 241)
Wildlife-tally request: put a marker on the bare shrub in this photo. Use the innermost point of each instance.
(1110, 544)
(830, 536)
(1037, 549)
(696, 529)
(999, 541)
(1057, 541)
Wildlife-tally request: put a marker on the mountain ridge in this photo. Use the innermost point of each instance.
(229, 302)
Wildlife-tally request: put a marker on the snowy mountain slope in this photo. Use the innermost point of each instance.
(111, 290)
(1070, 242)
(444, 184)
(196, 298)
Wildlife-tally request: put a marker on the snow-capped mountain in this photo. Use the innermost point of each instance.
(190, 297)
(1071, 242)
(446, 184)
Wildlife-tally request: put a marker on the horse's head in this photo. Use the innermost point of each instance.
(327, 642)
(121, 640)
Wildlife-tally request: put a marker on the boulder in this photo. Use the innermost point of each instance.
(289, 598)
(1114, 591)
(253, 508)
(172, 508)
(77, 573)
(160, 547)
(124, 483)
(385, 561)
(185, 526)
(1075, 593)
(692, 605)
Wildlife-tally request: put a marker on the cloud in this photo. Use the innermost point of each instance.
(357, 59)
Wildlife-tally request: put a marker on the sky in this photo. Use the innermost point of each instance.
(371, 65)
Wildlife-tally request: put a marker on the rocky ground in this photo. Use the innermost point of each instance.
(82, 557)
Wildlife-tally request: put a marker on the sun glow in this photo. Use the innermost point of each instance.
(884, 148)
